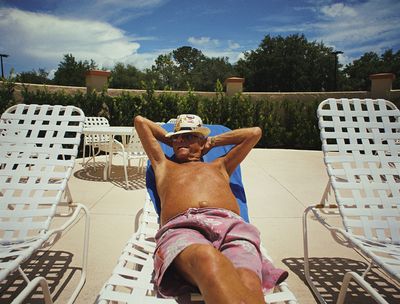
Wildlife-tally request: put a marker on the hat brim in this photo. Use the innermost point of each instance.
(202, 130)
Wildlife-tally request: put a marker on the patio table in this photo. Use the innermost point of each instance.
(112, 132)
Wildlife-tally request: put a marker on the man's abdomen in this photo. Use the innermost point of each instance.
(213, 197)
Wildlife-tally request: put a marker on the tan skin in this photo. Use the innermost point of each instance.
(190, 183)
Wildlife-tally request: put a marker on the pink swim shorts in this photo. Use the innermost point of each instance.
(226, 231)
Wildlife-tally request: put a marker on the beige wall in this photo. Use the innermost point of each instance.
(395, 94)
(116, 92)
(275, 96)
(304, 96)
(19, 87)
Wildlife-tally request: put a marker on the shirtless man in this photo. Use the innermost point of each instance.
(202, 240)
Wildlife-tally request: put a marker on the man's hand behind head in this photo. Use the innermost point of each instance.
(210, 143)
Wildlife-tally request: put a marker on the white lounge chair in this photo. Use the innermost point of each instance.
(360, 142)
(38, 148)
(130, 281)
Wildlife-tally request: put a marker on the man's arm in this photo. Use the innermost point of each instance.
(150, 133)
(243, 139)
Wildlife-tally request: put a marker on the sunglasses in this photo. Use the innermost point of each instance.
(186, 137)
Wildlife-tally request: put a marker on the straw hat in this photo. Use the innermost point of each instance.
(189, 123)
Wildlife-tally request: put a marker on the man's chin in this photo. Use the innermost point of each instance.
(185, 158)
(181, 157)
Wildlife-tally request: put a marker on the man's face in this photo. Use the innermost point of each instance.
(188, 146)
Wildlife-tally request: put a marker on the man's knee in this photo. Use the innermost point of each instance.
(200, 258)
(209, 257)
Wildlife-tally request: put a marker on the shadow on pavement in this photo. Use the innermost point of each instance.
(328, 272)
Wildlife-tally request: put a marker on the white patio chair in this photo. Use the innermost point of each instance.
(133, 151)
(38, 148)
(130, 150)
(360, 142)
(95, 141)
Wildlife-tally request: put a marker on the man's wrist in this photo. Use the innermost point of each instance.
(212, 141)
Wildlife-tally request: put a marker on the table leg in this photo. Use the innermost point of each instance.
(107, 166)
(105, 171)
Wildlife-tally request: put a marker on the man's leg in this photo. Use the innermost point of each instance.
(216, 277)
(251, 280)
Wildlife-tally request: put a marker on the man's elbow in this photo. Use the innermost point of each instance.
(138, 120)
(256, 133)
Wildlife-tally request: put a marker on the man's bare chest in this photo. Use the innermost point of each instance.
(186, 175)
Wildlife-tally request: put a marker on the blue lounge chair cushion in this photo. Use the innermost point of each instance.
(235, 179)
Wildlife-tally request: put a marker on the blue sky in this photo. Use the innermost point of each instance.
(36, 34)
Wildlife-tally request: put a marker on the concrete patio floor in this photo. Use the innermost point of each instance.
(279, 185)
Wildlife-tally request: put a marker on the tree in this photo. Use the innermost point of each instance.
(33, 76)
(72, 72)
(125, 77)
(187, 58)
(188, 67)
(357, 73)
(206, 74)
(288, 64)
(165, 72)
(391, 64)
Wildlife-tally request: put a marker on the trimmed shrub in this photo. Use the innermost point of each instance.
(285, 124)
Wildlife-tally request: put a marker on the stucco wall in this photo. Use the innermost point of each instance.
(303, 96)
(19, 87)
(276, 96)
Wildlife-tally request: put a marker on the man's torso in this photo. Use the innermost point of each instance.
(193, 185)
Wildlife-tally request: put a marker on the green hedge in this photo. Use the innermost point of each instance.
(285, 124)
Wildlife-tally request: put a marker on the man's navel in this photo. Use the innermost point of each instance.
(203, 204)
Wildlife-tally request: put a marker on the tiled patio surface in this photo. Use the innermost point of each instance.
(279, 185)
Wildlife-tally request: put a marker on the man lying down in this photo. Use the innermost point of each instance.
(203, 244)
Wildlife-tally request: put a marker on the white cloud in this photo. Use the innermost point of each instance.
(371, 25)
(128, 3)
(115, 11)
(203, 42)
(217, 48)
(43, 40)
(338, 10)
(232, 55)
(354, 27)
(233, 45)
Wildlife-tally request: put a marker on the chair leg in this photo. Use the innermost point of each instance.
(306, 260)
(106, 172)
(32, 285)
(368, 269)
(347, 277)
(110, 157)
(84, 255)
(142, 165)
(125, 161)
(68, 202)
(94, 156)
(90, 155)
(83, 152)
(360, 280)
(68, 195)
